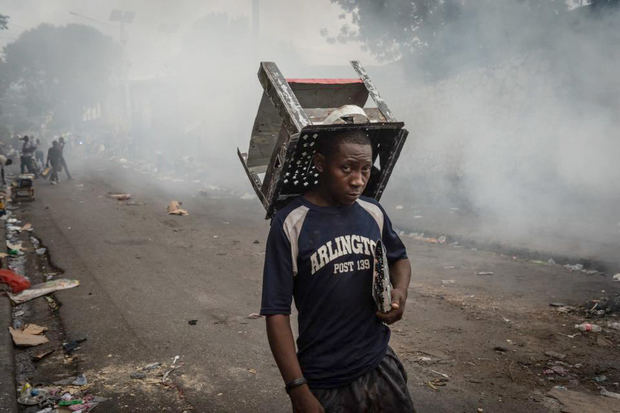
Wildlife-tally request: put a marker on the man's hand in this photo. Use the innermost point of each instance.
(399, 298)
(304, 401)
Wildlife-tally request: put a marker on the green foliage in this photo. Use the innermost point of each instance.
(58, 71)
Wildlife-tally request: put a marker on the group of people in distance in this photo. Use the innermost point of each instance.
(32, 159)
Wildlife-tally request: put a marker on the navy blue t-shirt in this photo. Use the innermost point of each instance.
(323, 257)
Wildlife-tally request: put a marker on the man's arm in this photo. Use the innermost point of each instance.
(400, 276)
(282, 346)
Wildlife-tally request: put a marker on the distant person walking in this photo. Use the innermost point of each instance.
(61, 145)
(27, 156)
(39, 156)
(54, 159)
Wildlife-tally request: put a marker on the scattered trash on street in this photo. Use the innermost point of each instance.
(16, 282)
(555, 355)
(70, 346)
(614, 324)
(588, 327)
(138, 375)
(173, 366)
(436, 383)
(574, 401)
(151, 366)
(192, 322)
(606, 393)
(31, 335)
(80, 381)
(14, 246)
(43, 289)
(119, 196)
(40, 356)
(616, 277)
(174, 208)
(485, 273)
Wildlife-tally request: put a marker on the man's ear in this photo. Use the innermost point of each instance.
(319, 162)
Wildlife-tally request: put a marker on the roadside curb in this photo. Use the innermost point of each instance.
(8, 397)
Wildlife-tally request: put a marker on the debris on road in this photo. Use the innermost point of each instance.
(436, 383)
(555, 370)
(588, 327)
(573, 401)
(555, 355)
(606, 393)
(485, 273)
(43, 289)
(600, 379)
(174, 208)
(616, 277)
(31, 335)
(80, 380)
(27, 227)
(137, 375)
(192, 322)
(40, 356)
(14, 246)
(152, 366)
(431, 240)
(603, 306)
(573, 267)
(58, 399)
(70, 346)
(614, 324)
(41, 251)
(16, 282)
(254, 316)
(173, 366)
(119, 196)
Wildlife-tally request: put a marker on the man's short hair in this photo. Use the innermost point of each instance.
(328, 144)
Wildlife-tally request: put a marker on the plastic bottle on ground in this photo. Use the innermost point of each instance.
(588, 327)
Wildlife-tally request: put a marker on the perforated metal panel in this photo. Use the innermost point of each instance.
(289, 132)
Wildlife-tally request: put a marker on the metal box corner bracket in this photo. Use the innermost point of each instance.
(294, 113)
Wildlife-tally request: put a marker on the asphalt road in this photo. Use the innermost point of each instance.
(144, 274)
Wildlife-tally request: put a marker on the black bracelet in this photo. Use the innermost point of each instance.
(295, 383)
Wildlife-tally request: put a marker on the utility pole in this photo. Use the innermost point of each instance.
(124, 17)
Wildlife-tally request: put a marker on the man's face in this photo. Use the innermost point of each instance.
(345, 173)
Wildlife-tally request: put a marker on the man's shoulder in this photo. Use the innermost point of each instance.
(282, 214)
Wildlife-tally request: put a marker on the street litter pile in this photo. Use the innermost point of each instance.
(70, 395)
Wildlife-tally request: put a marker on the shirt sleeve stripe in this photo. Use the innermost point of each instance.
(292, 227)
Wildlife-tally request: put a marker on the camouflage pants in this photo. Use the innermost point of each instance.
(383, 389)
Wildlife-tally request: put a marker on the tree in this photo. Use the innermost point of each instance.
(4, 22)
(57, 71)
(395, 29)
